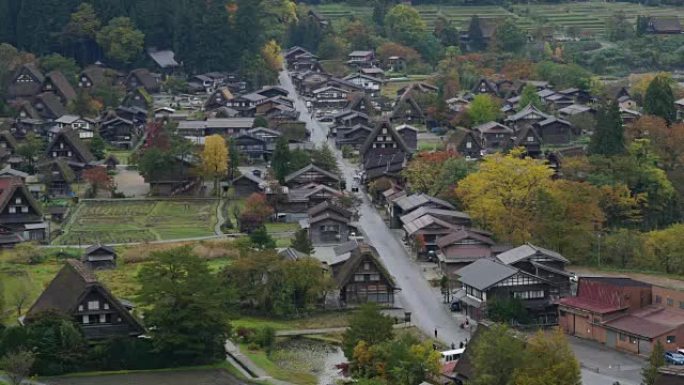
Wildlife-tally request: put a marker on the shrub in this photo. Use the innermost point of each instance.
(265, 338)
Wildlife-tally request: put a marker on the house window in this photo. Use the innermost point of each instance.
(671, 339)
(17, 201)
(670, 302)
(105, 306)
(366, 266)
(530, 139)
(103, 318)
(80, 307)
(12, 209)
(359, 278)
(632, 340)
(24, 209)
(85, 319)
(469, 145)
(93, 305)
(622, 337)
(375, 277)
(658, 299)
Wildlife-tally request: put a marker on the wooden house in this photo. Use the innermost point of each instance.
(21, 218)
(494, 136)
(99, 256)
(526, 117)
(540, 262)
(529, 139)
(375, 72)
(56, 82)
(119, 132)
(396, 64)
(486, 86)
(409, 203)
(354, 136)
(410, 136)
(384, 153)
(370, 84)
(75, 292)
(362, 278)
(57, 177)
(329, 224)
(664, 25)
(422, 233)
(269, 136)
(246, 104)
(48, 106)
(248, 184)
(679, 105)
(407, 110)
(330, 96)
(68, 146)
(554, 131)
(253, 148)
(291, 53)
(138, 97)
(361, 59)
(312, 174)
(360, 102)
(218, 98)
(485, 281)
(141, 77)
(164, 59)
(466, 143)
(461, 248)
(27, 82)
(177, 179)
(84, 126)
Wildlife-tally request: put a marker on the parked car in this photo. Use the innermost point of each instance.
(674, 358)
(455, 306)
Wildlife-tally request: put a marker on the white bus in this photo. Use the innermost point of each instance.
(451, 355)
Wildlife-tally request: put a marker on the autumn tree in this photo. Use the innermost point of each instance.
(483, 109)
(495, 344)
(98, 179)
(404, 25)
(271, 54)
(435, 173)
(215, 159)
(369, 325)
(644, 127)
(256, 212)
(669, 144)
(665, 250)
(659, 99)
(548, 360)
(388, 49)
(501, 195)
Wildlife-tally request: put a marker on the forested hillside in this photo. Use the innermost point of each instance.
(206, 35)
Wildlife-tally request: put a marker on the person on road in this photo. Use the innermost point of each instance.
(435, 332)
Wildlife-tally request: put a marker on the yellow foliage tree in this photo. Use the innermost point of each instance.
(548, 360)
(271, 54)
(502, 195)
(215, 159)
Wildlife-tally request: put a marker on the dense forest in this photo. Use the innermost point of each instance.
(206, 35)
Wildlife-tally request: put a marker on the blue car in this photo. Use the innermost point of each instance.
(674, 358)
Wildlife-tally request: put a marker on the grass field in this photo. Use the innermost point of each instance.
(138, 221)
(588, 16)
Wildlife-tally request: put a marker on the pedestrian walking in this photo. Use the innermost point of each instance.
(453, 346)
(435, 332)
(461, 345)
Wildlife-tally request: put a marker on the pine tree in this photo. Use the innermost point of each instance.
(280, 163)
(301, 242)
(656, 360)
(609, 136)
(659, 99)
(97, 147)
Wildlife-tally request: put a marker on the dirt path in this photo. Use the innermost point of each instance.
(659, 280)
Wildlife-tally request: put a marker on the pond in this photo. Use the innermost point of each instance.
(309, 356)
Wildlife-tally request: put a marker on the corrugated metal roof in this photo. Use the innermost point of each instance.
(485, 273)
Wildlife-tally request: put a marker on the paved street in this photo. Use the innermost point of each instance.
(428, 311)
(600, 366)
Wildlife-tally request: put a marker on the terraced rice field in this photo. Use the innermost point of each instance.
(138, 221)
(587, 16)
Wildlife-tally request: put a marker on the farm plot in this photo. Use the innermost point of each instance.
(138, 221)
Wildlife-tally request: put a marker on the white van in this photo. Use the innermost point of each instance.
(451, 355)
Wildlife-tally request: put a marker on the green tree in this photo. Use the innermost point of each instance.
(325, 159)
(261, 239)
(97, 146)
(233, 158)
(58, 344)
(301, 242)
(509, 37)
(84, 105)
(17, 365)
(280, 162)
(529, 96)
(185, 310)
(641, 25)
(80, 33)
(656, 360)
(120, 40)
(446, 32)
(367, 324)
(609, 136)
(57, 62)
(496, 344)
(548, 360)
(476, 39)
(619, 27)
(659, 99)
(483, 109)
(31, 148)
(403, 24)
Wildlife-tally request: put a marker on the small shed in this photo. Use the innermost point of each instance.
(100, 256)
